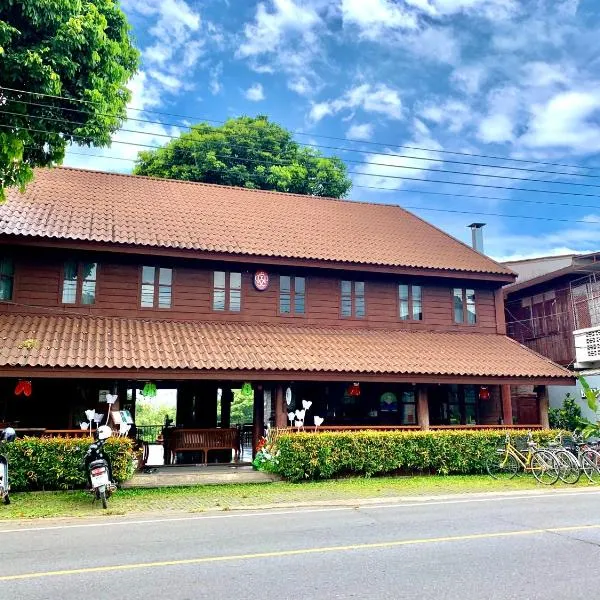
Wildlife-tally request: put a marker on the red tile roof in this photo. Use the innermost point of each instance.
(84, 205)
(80, 341)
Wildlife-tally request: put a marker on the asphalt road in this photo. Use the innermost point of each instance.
(526, 547)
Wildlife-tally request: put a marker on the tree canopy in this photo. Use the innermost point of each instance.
(76, 56)
(250, 152)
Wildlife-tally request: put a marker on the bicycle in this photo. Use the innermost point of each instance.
(588, 457)
(509, 460)
(570, 464)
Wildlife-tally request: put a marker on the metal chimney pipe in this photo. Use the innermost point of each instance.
(477, 236)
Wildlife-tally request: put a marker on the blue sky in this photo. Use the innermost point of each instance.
(510, 78)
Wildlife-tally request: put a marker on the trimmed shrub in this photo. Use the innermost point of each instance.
(57, 463)
(300, 456)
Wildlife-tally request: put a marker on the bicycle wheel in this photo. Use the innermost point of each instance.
(590, 462)
(570, 471)
(545, 467)
(502, 465)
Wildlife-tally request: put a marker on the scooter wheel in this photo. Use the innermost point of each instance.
(6, 499)
(102, 494)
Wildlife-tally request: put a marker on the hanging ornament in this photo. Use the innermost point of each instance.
(354, 390)
(149, 390)
(247, 390)
(23, 387)
(484, 393)
(288, 396)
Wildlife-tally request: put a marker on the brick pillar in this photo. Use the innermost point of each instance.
(422, 407)
(544, 404)
(507, 412)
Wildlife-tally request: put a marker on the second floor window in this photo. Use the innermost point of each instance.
(410, 302)
(227, 291)
(464, 308)
(157, 287)
(79, 282)
(353, 299)
(291, 295)
(7, 279)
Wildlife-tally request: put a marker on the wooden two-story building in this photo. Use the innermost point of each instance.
(110, 281)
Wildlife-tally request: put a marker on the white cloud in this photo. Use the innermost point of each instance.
(255, 93)
(451, 113)
(378, 98)
(214, 82)
(362, 131)
(567, 120)
(375, 16)
(268, 30)
(503, 106)
(301, 85)
(469, 79)
(169, 81)
(382, 170)
(496, 128)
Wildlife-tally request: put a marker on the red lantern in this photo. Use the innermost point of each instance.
(354, 389)
(484, 393)
(23, 387)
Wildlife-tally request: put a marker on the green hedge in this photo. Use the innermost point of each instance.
(56, 463)
(300, 456)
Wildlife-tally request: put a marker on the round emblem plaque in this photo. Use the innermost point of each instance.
(261, 280)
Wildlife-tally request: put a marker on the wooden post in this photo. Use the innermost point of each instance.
(258, 426)
(507, 413)
(422, 407)
(544, 405)
(280, 408)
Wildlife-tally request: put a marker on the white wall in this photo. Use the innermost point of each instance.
(557, 393)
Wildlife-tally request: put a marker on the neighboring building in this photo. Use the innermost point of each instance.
(110, 281)
(554, 308)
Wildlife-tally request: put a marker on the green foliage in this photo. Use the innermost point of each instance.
(568, 417)
(78, 50)
(57, 463)
(589, 428)
(247, 152)
(148, 414)
(301, 456)
(242, 408)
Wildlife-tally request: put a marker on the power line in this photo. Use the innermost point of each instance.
(402, 190)
(392, 144)
(359, 162)
(362, 173)
(320, 146)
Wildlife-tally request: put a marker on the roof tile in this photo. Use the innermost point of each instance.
(124, 209)
(111, 342)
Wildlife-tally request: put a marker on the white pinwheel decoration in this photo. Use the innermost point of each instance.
(299, 424)
(300, 414)
(98, 418)
(90, 414)
(318, 421)
(291, 416)
(84, 425)
(306, 404)
(111, 398)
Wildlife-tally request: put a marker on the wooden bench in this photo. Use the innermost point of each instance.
(203, 440)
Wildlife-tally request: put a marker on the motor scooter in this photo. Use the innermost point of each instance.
(98, 467)
(7, 435)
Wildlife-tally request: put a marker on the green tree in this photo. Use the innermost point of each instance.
(76, 49)
(567, 417)
(247, 152)
(242, 408)
(147, 414)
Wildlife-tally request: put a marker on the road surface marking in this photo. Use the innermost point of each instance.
(299, 552)
(253, 513)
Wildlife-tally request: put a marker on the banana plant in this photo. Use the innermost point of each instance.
(589, 428)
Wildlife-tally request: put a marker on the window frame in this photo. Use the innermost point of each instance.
(79, 281)
(156, 285)
(465, 304)
(228, 291)
(409, 301)
(293, 295)
(353, 299)
(12, 278)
